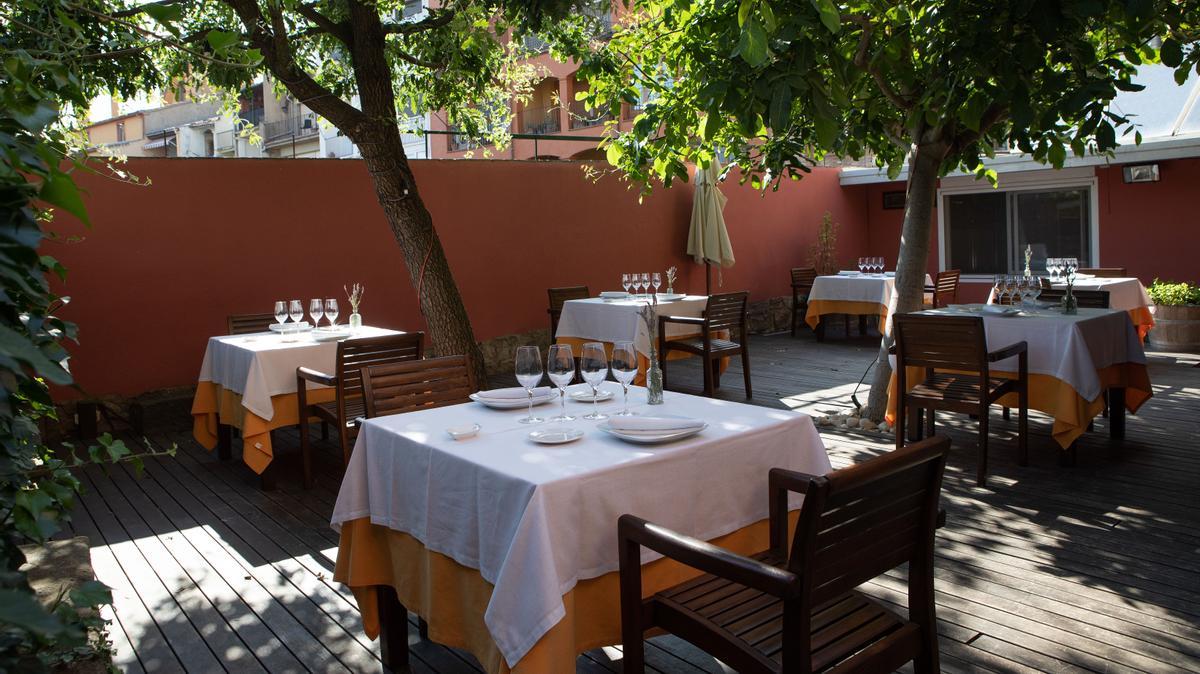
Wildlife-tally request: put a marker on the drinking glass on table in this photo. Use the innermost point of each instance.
(656, 281)
(331, 312)
(625, 283)
(281, 314)
(594, 366)
(624, 369)
(879, 265)
(861, 264)
(316, 309)
(529, 375)
(1052, 268)
(645, 283)
(560, 366)
(296, 311)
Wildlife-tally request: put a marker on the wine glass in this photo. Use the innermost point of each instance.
(646, 284)
(316, 309)
(594, 367)
(560, 366)
(880, 264)
(656, 281)
(296, 311)
(529, 375)
(1052, 268)
(862, 264)
(281, 314)
(625, 282)
(624, 369)
(1012, 283)
(331, 312)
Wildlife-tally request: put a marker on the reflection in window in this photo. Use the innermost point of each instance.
(988, 232)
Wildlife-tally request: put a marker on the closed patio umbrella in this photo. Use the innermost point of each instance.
(708, 240)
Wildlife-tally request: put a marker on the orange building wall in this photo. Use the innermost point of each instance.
(163, 265)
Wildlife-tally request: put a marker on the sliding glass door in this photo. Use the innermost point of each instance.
(988, 232)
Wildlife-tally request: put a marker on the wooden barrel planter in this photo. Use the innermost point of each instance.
(1176, 328)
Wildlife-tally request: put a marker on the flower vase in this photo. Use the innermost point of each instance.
(355, 321)
(1070, 304)
(654, 382)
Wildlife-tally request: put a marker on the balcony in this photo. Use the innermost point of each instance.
(582, 118)
(292, 128)
(226, 142)
(541, 120)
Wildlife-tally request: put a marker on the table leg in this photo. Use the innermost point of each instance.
(393, 630)
(1116, 413)
(1067, 456)
(820, 331)
(224, 435)
(267, 480)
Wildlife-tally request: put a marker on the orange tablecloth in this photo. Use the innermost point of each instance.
(1143, 320)
(214, 404)
(1050, 395)
(452, 598)
(818, 308)
(577, 343)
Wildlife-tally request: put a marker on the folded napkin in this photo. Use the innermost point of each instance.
(664, 424)
(614, 294)
(514, 393)
(846, 272)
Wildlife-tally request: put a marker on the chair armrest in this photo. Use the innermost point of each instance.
(1007, 352)
(690, 320)
(306, 374)
(781, 478)
(708, 557)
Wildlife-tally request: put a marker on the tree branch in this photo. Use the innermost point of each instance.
(134, 11)
(428, 23)
(862, 60)
(339, 30)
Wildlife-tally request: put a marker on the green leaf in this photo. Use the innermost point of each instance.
(829, 14)
(768, 16)
(91, 593)
(59, 190)
(711, 124)
(17, 346)
(164, 14)
(753, 44)
(744, 10)
(1057, 154)
(220, 40)
(1171, 53)
(781, 107)
(22, 610)
(613, 153)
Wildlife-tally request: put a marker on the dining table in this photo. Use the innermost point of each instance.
(248, 382)
(612, 320)
(1074, 360)
(507, 548)
(852, 293)
(1125, 293)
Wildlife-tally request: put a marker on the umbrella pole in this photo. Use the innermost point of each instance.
(707, 278)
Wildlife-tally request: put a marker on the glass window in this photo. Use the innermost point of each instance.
(988, 232)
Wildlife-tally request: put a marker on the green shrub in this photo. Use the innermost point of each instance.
(1174, 294)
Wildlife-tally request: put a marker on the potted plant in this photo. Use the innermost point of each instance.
(1176, 316)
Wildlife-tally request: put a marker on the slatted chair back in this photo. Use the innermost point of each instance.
(558, 296)
(355, 354)
(945, 287)
(1105, 272)
(1089, 299)
(727, 311)
(941, 342)
(242, 324)
(417, 384)
(860, 522)
(804, 277)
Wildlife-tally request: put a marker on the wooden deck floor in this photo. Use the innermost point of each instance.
(1090, 568)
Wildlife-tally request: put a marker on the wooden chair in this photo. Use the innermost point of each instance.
(802, 283)
(241, 324)
(794, 608)
(723, 312)
(1105, 272)
(944, 288)
(1090, 299)
(352, 356)
(417, 384)
(957, 346)
(557, 297)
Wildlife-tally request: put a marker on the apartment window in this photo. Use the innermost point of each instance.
(120, 132)
(988, 232)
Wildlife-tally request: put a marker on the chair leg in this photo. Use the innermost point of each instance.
(746, 372)
(306, 454)
(981, 477)
(1023, 427)
(344, 436)
(708, 383)
(901, 422)
(266, 480)
(795, 313)
(393, 630)
(915, 431)
(846, 324)
(224, 440)
(716, 370)
(422, 629)
(325, 430)
(929, 424)
(1004, 413)
(862, 325)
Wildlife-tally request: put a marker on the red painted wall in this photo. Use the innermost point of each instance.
(163, 265)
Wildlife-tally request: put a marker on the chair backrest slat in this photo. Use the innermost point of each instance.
(418, 384)
(355, 354)
(241, 324)
(869, 519)
(804, 276)
(1105, 272)
(1090, 299)
(949, 342)
(560, 295)
(727, 311)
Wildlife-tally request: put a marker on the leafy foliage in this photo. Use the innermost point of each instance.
(1167, 293)
(822, 256)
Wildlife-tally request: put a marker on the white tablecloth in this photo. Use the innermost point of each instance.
(536, 519)
(261, 365)
(864, 288)
(1125, 294)
(618, 320)
(1068, 348)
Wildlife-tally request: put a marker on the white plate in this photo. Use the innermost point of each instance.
(513, 403)
(999, 310)
(325, 335)
(463, 432)
(556, 435)
(670, 297)
(279, 327)
(585, 396)
(649, 438)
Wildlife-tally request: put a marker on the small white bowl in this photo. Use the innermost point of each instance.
(463, 432)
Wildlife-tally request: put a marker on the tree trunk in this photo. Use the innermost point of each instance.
(911, 260)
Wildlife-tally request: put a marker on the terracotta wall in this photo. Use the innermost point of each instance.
(164, 264)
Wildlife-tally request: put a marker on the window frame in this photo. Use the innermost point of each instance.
(1047, 180)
